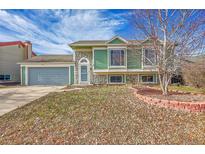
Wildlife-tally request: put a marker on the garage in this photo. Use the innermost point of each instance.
(48, 70)
(48, 76)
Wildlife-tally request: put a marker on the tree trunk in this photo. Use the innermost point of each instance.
(164, 82)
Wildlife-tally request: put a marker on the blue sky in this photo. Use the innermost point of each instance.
(51, 30)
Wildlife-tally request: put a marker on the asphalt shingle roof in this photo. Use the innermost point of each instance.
(51, 58)
(101, 42)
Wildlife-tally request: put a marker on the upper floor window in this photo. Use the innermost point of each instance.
(149, 57)
(117, 57)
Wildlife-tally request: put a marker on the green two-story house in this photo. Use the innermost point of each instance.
(114, 61)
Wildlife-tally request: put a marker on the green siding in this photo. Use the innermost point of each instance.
(134, 59)
(100, 59)
(23, 75)
(116, 41)
(71, 74)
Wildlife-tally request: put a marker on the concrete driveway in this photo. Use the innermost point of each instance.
(12, 98)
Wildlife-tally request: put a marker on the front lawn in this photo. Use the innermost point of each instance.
(99, 115)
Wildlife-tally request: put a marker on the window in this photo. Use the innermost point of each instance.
(84, 73)
(116, 79)
(117, 57)
(5, 77)
(148, 78)
(1, 77)
(83, 61)
(149, 57)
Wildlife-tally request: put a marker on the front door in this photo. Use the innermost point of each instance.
(84, 74)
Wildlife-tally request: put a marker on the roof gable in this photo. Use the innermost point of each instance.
(12, 43)
(117, 40)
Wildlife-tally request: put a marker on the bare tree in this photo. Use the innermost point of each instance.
(194, 71)
(174, 35)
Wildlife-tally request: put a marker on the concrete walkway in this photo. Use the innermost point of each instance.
(12, 98)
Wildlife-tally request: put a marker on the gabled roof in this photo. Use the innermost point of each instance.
(104, 42)
(89, 42)
(115, 38)
(51, 58)
(33, 53)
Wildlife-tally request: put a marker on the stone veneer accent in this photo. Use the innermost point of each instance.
(94, 78)
(132, 78)
(186, 106)
(100, 79)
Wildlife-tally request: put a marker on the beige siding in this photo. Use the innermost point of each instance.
(9, 57)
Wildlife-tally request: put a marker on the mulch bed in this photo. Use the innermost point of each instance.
(177, 96)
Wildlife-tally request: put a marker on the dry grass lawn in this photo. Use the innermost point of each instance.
(99, 115)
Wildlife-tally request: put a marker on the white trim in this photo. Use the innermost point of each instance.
(47, 65)
(88, 71)
(75, 79)
(74, 56)
(117, 67)
(124, 70)
(117, 47)
(93, 56)
(21, 75)
(148, 38)
(138, 78)
(147, 66)
(125, 57)
(69, 76)
(117, 37)
(26, 75)
(142, 58)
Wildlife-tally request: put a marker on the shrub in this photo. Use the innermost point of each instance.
(194, 73)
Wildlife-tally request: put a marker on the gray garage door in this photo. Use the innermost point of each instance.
(48, 76)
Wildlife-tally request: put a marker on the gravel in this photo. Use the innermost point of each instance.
(176, 96)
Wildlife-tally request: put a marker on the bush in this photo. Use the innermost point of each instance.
(194, 73)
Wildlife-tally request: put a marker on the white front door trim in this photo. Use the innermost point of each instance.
(84, 62)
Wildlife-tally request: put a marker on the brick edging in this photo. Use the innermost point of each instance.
(186, 106)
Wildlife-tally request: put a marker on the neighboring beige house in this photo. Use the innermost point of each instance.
(10, 54)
